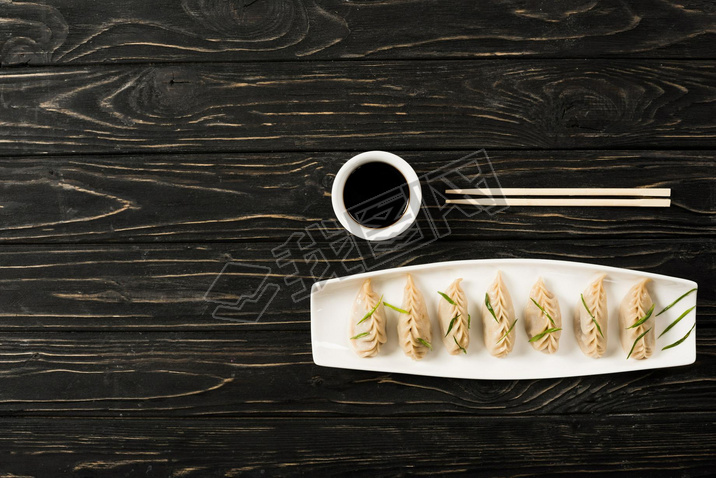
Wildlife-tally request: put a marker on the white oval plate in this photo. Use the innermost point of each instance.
(331, 303)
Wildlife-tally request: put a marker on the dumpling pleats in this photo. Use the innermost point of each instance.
(414, 328)
(367, 335)
(456, 337)
(497, 339)
(537, 322)
(634, 307)
(591, 317)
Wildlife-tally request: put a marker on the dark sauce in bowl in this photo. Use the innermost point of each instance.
(376, 195)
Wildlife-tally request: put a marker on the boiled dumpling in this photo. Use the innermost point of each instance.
(457, 337)
(592, 319)
(537, 321)
(636, 305)
(367, 327)
(414, 328)
(499, 333)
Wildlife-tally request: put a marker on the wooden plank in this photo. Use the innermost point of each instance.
(209, 197)
(314, 106)
(172, 287)
(63, 31)
(624, 445)
(256, 372)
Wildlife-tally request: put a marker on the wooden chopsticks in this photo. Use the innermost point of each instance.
(612, 197)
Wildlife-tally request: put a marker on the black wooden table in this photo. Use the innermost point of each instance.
(148, 146)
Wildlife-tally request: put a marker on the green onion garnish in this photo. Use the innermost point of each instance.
(427, 344)
(489, 307)
(643, 319)
(540, 335)
(543, 311)
(468, 321)
(365, 317)
(637, 339)
(674, 303)
(508, 331)
(452, 322)
(395, 308)
(681, 339)
(359, 336)
(445, 296)
(461, 347)
(671, 325)
(591, 315)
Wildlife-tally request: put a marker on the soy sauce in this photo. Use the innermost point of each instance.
(376, 195)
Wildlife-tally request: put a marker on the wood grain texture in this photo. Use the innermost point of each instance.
(320, 446)
(159, 160)
(561, 104)
(200, 197)
(31, 32)
(264, 372)
(226, 30)
(163, 287)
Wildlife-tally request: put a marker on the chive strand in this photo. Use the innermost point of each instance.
(366, 316)
(447, 298)
(425, 343)
(675, 302)
(508, 331)
(461, 347)
(643, 319)
(678, 342)
(671, 325)
(594, 319)
(542, 334)
(543, 311)
(489, 307)
(397, 309)
(637, 340)
(452, 322)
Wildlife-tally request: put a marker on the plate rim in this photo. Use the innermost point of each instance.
(360, 275)
(318, 286)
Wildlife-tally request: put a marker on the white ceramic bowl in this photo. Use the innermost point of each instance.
(384, 233)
